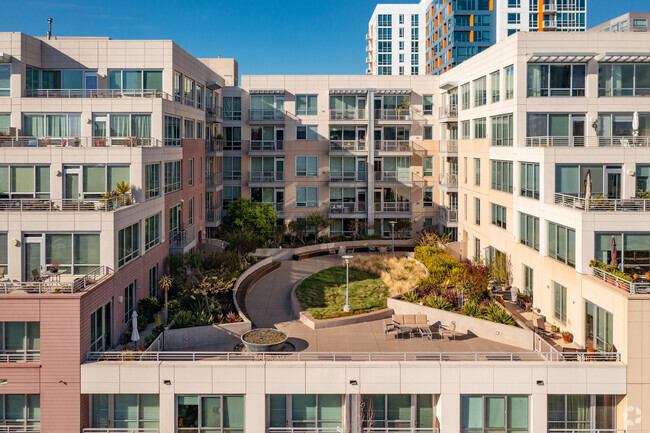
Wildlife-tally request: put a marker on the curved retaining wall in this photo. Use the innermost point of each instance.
(249, 277)
(324, 249)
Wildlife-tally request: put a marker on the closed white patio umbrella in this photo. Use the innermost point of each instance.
(135, 335)
(635, 124)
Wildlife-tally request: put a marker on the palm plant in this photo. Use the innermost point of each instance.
(165, 283)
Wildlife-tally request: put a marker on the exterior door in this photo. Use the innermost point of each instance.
(71, 184)
(613, 182)
(90, 83)
(578, 131)
(99, 131)
(34, 256)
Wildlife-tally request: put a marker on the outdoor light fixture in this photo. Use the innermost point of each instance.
(353, 382)
(392, 230)
(14, 242)
(3, 381)
(167, 382)
(594, 123)
(346, 307)
(540, 382)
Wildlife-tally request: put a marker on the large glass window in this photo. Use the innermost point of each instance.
(21, 341)
(556, 80)
(632, 251)
(152, 181)
(494, 413)
(347, 107)
(5, 80)
(172, 131)
(502, 130)
(77, 253)
(498, 215)
(232, 168)
(189, 87)
(559, 302)
(266, 107)
(20, 411)
(480, 92)
(397, 411)
(210, 414)
(231, 108)
(134, 80)
(495, 84)
(501, 176)
(178, 84)
(128, 244)
(581, 412)
(24, 181)
(172, 176)
(306, 166)
(571, 179)
(599, 328)
(642, 179)
(427, 105)
(307, 132)
(306, 196)
(529, 230)
(562, 244)
(621, 79)
(480, 128)
(307, 105)
(529, 179)
(151, 231)
(52, 125)
(100, 328)
(510, 82)
(464, 96)
(125, 411)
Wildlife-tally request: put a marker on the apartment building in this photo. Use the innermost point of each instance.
(454, 31)
(79, 118)
(629, 22)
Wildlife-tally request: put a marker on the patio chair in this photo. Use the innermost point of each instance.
(333, 251)
(540, 327)
(390, 326)
(372, 249)
(402, 325)
(2, 272)
(449, 330)
(423, 326)
(36, 276)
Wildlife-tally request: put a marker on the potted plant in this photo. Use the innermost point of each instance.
(647, 276)
(635, 276)
(54, 268)
(554, 328)
(567, 336)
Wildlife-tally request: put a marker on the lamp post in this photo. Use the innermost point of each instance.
(346, 307)
(392, 233)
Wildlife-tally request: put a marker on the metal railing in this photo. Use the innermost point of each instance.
(266, 176)
(8, 141)
(448, 179)
(233, 175)
(448, 215)
(348, 114)
(550, 7)
(95, 93)
(20, 357)
(214, 145)
(213, 215)
(591, 141)
(66, 205)
(180, 239)
(393, 145)
(73, 286)
(542, 346)
(354, 356)
(393, 176)
(214, 179)
(265, 114)
(631, 287)
(214, 112)
(399, 430)
(550, 23)
(20, 428)
(232, 144)
(448, 146)
(347, 207)
(120, 430)
(266, 146)
(598, 204)
(347, 145)
(347, 176)
(588, 430)
(393, 207)
(304, 430)
(393, 114)
(231, 114)
(278, 207)
(448, 111)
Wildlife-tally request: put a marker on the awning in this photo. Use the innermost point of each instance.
(213, 85)
(348, 91)
(561, 57)
(393, 91)
(448, 85)
(5, 58)
(625, 58)
(266, 91)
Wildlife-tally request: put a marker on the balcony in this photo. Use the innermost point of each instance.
(368, 37)
(72, 285)
(347, 146)
(213, 145)
(214, 180)
(347, 208)
(65, 205)
(602, 204)
(263, 146)
(266, 176)
(448, 113)
(265, 114)
(369, 60)
(447, 181)
(550, 8)
(214, 215)
(446, 215)
(231, 114)
(6, 141)
(393, 176)
(95, 93)
(403, 146)
(550, 24)
(214, 114)
(347, 176)
(181, 241)
(448, 148)
(631, 287)
(20, 429)
(232, 175)
(393, 114)
(118, 430)
(348, 114)
(393, 207)
(232, 144)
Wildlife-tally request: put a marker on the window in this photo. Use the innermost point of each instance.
(76, 254)
(232, 138)
(633, 251)
(100, 329)
(529, 231)
(414, 20)
(427, 196)
(495, 84)
(640, 23)
(477, 171)
(477, 211)
(152, 181)
(401, 60)
(231, 108)
(501, 176)
(306, 196)
(556, 80)
(20, 342)
(199, 96)
(21, 412)
(190, 211)
(26, 181)
(128, 244)
(493, 413)
(172, 176)
(384, 20)
(178, 82)
(415, 70)
(528, 282)
(190, 172)
(514, 3)
(230, 193)
(232, 168)
(133, 80)
(427, 133)
(465, 130)
(498, 215)
(529, 179)
(125, 411)
(5, 80)
(510, 82)
(464, 96)
(401, 32)
(304, 410)
(53, 125)
(480, 128)
(427, 105)
(480, 92)
(642, 178)
(477, 249)
(213, 414)
(623, 25)
(581, 412)
(129, 302)
(562, 244)
(502, 130)
(623, 79)
(397, 412)
(188, 91)
(559, 303)
(415, 33)
(599, 328)
(188, 128)
(415, 47)
(427, 166)
(307, 105)
(401, 19)
(172, 131)
(306, 166)
(153, 281)
(465, 169)
(151, 231)
(307, 132)
(199, 129)
(514, 18)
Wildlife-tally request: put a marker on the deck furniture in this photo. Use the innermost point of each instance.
(447, 330)
(424, 328)
(540, 327)
(36, 276)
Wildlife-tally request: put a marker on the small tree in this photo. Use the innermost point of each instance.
(260, 218)
(278, 234)
(243, 241)
(318, 222)
(165, 283)
(403, 228)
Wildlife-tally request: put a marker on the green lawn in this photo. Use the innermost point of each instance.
(323, 294)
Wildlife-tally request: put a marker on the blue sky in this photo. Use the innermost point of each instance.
(266, 37)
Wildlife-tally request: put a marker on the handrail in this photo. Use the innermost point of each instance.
(448, 111)
(120, 429)
(40, 287)
(266, 146)
(590, 141)
(347, 207)
(20, 428)
(393, 145)
(399, 430)
(214, 145)
(448, 179)
(598, 204)
(182, 238)
(66, 205)
(393, 176)
(21, 141)
(448, 215)
(448, 146)
(265, 114)
(631, 287)
(347, 145)
(586, 430)
(348, 114)
(213, 215)
(214, 112)
(393, 207)
(347, 176)
(393, 114)
(20, 357)
(214, 179)
(96, 93)
(354, 356)
(266, 176)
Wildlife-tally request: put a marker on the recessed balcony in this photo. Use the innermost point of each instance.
(347, 146)
(266, 177)
(448, 114)
(213, 216)
(448, 148)
(597, 203)
(265, 115)
(214, 180)
(266, 146)
(393, 207)
(347, 176)
(347, 208)
(393, 176)
(393, 114)
(348, 114)
(8, 141)
(394, 146)
(95, 93)
(214, 114)
(447, 181)
(182, 241)
(213, 145)
(447, 216)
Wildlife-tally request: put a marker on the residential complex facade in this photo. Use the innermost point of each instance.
(494, 153)
(629, 22)
(454, 31)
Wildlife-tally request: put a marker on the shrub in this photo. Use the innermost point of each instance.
(437, 302)
(475, 281)
(472, 309)
(173, 307)
(147, 307)
(125, 338)
(232, 317)
(142, 322)
(202, 318)
(411, 297)
(183, 319)
(451, 297)
(399, 274)
(150, 338)
(497, 314)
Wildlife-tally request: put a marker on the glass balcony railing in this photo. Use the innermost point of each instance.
(265, 114)
(347, 145)
(347, 207)
(266, 176)
(8, 141)
(393, 145)
(347, 176)
(348, 114)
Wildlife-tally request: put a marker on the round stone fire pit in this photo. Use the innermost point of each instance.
(264, 340)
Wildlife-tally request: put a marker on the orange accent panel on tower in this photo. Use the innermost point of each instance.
(471, 35)
(540, 15)
(491, 5)
(471, 20)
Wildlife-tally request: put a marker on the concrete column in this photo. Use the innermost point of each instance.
(448, 412)
(537, 417)
(254, 412)
(167, 410)
(370, 141)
